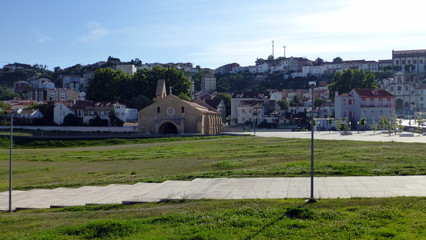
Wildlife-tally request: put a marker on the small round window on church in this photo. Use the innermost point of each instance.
(170, 111)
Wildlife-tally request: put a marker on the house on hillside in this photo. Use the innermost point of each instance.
(28, 116)
(248, 106)
(172, 115)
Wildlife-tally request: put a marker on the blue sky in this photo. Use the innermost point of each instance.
(206, 33)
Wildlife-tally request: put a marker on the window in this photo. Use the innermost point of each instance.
(183, 109)
(406, 88)
(399, 88)
(421, 61)
(421, 98)
(391, 88)
(344, 114)
(243, 111)
(415, 61)
(344, 101)
(158, 109)
(403, 61)
(397, 62)
(350, 101)
(408, 61)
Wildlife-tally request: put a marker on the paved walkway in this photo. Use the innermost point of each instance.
(219, 188)
(378, 136)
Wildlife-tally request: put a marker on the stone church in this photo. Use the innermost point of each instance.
(172, 115)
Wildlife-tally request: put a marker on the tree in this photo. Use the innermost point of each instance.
(419, 124)
(382, 123)
(114, 120)
(337, 60)
(226, 97)
(295, 101)
(339, 124)
(318, 102)
(47, 110)
(346, 126)
(139, 102)
(284, 104)
(330, 121)
(72, 120)
(373, 126)
(400, 127)
(110, 85)
(363, 122)
(350, 79)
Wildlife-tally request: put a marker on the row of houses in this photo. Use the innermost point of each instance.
(403, 60)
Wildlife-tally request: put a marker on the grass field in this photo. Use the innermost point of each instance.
(164, 159)
(390, 218)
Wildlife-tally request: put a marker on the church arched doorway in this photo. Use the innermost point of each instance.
(168, 128)
(399, 104)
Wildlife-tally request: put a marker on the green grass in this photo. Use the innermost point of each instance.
(382, 218)
(22, 143)
(175, 159)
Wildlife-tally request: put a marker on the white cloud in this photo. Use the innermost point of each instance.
(41, 38)
(96, 32)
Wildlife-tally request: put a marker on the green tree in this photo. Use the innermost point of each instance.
(295, 101)
(339, 125)
(383, 122)
(350, 79)
(346, 126)
(363, 122)
(110, 85)
(47, 110)
(400, 127)
(337, 60)
(419, 124)
(114, 120)
(139, 102)
(72, 120)
(226, 97)
(107, 85)
(318, 102)
(6, 94)
(284, 104)
(373, 126)
(330, 122)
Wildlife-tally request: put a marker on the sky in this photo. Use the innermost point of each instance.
(206, 33)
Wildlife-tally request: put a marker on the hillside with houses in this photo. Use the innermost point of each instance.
(273, 93)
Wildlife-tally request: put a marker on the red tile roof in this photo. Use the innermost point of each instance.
(373, 93)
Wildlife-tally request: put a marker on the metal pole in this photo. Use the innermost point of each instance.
(312, 146)
(10, 163)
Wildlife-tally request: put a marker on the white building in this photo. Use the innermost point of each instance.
(87, 111)
(42, 83)
(128, 69)
(414, 58)
(72, 81)
(237, 109)
(410, 94)
(208, 83)
(368, 103)
(61, 110)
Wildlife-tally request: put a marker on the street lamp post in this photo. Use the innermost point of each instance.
(18, 111)
(312, 85)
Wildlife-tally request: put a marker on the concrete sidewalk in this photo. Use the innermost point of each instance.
(377, 136)
(219, 188)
